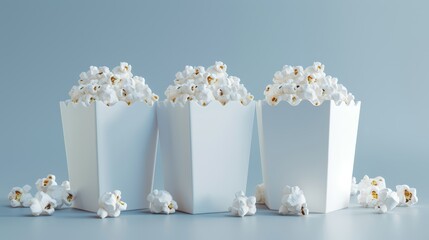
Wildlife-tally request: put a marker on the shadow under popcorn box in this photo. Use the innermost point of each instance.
(109, 148)
(310, 147)
(205, 152)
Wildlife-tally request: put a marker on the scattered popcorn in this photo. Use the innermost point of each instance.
(111, 205)
(110, 87)
(44, 183)
(369, 190)
(388, 200)
(42, 203)
(294, 84)
(407, 196)
(62, 194)
(161, 201)
(242, 205)
(260, 193)
(20, 197)
(293, 202)
(354, 188)
(204, 86)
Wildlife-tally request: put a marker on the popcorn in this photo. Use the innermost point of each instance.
(242, 205)
(20, 197)
(111, 205)
(110, 87)
(42, 203)
(293, 202)
(204, 86)
(62, 194)
(388, 200)
(44, 183)
(354, 187)
(366, 182)
(260, 193)
(294, 84)
(407, 196)
(369, 190)
(161, 201)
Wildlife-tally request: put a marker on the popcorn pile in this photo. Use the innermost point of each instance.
(242, 205)
(111, 205)
(110, 87)
(373, 193)
(161, 201)
(294, 84)
(50, 196)
(206, 85)
(293, 202)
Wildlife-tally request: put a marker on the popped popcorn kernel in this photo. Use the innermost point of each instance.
(20, 197)
(388, 200)
(42, 204)
(293, 202)
(161, 201)
(407, 196)
(242, 205)
(111, 204)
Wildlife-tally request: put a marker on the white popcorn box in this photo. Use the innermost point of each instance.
(310, 147)
(110, 148)
(205, 151)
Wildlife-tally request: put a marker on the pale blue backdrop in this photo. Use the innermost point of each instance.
(378, 49)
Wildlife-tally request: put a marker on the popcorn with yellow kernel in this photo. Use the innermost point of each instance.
(242, 205)
(42, 204)
(110, 204)
(62, 194)
(407, 196)
(20, 197)
(110, 87)
(161, 201)
(293, 202)
(294, 84)
(43, 184)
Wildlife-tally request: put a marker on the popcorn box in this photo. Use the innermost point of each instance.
(310, 147)
(110, 148)
(205, 151)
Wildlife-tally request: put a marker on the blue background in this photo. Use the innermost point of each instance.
(378, 50)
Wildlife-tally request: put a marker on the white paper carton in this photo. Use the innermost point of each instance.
(205, 151)
(110, 148)
(310, 147)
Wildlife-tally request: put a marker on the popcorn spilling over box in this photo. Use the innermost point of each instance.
(205, 135)
(307, 127)
(110, 134)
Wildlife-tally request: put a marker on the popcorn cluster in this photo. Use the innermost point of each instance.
(110, 204)
(50, 196)
(374, 193)
(161, 201)
(242, 205)
(294, 84)
(206, 85)
(260, 193)
(110, 87)
(293, 202)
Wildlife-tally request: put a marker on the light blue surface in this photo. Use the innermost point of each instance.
(378, 49)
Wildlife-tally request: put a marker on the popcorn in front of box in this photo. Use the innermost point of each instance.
(294, 84)
(260, 193)
(407, 196)
(387, 200)
(161, 201)
(354, 187)
(111, 205)
(242, 205)
(368, 190)
(110, 87)
(293, 202)
(62, 194)
(204, 86)
(20, 197)
(43, 184)
(42, 203)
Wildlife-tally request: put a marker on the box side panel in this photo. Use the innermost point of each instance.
(127, 140)
(175, 147)
(344, 122)
(221, 139)
(294, 151)
(81, 151)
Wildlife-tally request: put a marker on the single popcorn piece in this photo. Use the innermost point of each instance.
(354, 187)
(204, 86)
(20, 197)
(260, 193)
(242, 205)
(294, 84)
(42, 203)
(369, 197)
(388, 200)
(367, 182)
(62, 194)
(110, 87)
(161, 201)
(111, 205)
(44, 183)
(293, 202)
(407, 196)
